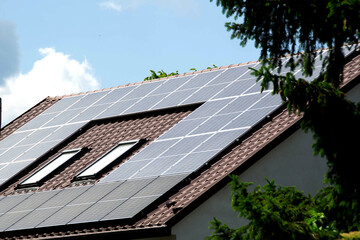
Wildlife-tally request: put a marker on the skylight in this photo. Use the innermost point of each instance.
(49, 168)
(107, 159)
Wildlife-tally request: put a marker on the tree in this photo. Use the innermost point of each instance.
(298, 29)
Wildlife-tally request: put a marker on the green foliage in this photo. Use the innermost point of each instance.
(160, 74)
(274, 212)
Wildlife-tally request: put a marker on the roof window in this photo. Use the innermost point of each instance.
(39, 176)
(106, 160)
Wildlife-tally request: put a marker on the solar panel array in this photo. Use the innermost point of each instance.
(232, 105)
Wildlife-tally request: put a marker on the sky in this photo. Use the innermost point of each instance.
(53, 47)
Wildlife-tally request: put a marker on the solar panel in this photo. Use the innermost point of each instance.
(157, 166)
(97, 211)
(38, 121)
(9, 202)
(182, 128)
(63, 117)
(90, 113)
(88, 100)
(232, 74)
(125, 171)
(63, 104)
(268, 101)
(186, 145)
(64, 215)
(215, 123)
(191, 162)
(174, 98)
(200, 80)
(117, 108)
(130, 208)
(241, 103)
(115, 95)
(64, 132)
(11, 169)
(249, 118)
(145, 104)
(38, 135)
(209, 108)
(64, 196)
(127, 189)
(236, 88)
(171, 85)
(13, 139)
(38, 150)
(9, 219)
(95, 193)
(34, 218)
(143, 90)
(13, 153)
(204, 94)
(34, 201)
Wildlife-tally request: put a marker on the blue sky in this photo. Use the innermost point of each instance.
(53, 47)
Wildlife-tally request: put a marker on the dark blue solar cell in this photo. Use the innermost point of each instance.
(145, 104)
(241, 103)
(174, 99)
(209, 108)
(125, 171)
(182, 128)
(38, 150)
(186, 145)
(62, 104)
(13, 153)
(38, 121)
(215, 123)
(117, 108)
(90, 113)
(63, 117)
(9, 219)
(155, 149)
(268, 101)
(38, 136)
(13, 139)
(12, 168)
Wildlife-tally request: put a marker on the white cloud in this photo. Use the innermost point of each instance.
(111, 5)
(54, 74)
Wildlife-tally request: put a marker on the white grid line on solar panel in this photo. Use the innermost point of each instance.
(215, 114)
(208, 84)
(36, 150)
(11, 201)
(194, 144)
(101, 114)
(201, 80)
(233, 73)
(12, 168)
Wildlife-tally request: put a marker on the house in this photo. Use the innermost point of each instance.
(150, 160)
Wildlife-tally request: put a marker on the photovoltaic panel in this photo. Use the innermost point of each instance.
(268, 101)
(12, 168)
(161, 185)
(90, 113)
(88, 100)
(38, 121)
(130, 208)
(64, 197)
(145, 104)
(33, 218)
(117, 108)
(186, 145)
(256, 88)
(182, 128)
(236, 88)
(215, 123)
(63, 117)
(209, 108)
(38, 150)
(9, 219)
(191, 162)
(154, 150)
(232, 74)
(174, 98)
(115, 95)
(143, 90)
(37, 135)
(97, 211)
(171, 85)
(249, 118)
(220, 140)
(200, 80)
(9, 202)
(64, 215)
(125, 171)
(64, 132)
(62, 104)
(241, 103)
(127, 189)
(204, 94)
(13, 139)
(13, 153)
(157, 166)
(249, 74)
(34, 201)
(95, 193)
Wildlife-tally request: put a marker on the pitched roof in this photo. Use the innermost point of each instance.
(223, 148)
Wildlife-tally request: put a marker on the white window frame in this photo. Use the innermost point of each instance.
(106, 160)
(60, 160)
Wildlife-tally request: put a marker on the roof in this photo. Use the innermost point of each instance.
(196, 129)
